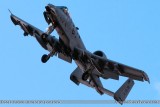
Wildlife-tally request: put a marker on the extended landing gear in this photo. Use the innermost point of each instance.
(25, 34)
(45, 58)
(85, 76)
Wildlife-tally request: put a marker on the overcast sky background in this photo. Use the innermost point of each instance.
(128, 31)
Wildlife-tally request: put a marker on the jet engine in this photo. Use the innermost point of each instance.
(100, 63)
(101, 54)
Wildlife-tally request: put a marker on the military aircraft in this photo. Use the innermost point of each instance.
(90, 66)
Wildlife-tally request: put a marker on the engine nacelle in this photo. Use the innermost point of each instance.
(101, 54)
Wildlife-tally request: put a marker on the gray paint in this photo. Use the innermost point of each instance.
(90, 66)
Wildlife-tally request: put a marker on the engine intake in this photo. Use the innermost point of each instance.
(101, 54)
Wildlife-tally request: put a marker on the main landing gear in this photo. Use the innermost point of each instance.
(44, 36)
(85, 76)
(45, 57)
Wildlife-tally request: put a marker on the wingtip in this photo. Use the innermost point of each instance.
(10, 11)
(146, 78)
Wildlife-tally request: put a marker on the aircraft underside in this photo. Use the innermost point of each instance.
(90, 66)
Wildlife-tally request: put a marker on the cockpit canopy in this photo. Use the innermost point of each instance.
(64, 9)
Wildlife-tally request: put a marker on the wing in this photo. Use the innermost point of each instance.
(29, 29)
(50, 44)
(26, 27)
(127, 71)
(111, 69)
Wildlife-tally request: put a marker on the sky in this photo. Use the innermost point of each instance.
(128, 31)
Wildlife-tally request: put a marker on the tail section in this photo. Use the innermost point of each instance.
(122, 93)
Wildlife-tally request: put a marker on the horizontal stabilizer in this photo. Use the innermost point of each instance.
(95, 82)
(76, 76)
(122, 93)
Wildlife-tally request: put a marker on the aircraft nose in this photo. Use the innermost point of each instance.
(50, 7)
